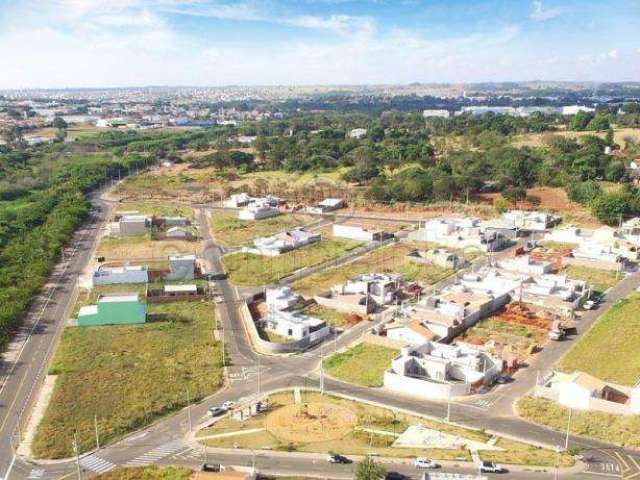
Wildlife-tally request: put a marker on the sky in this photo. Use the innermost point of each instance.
(114, 43)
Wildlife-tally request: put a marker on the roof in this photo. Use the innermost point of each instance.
(582, 379)
(133, 218)
(177, 229)
(182, 257)
(181, 288)
(421, 330)
(118, 298)
(88, 310)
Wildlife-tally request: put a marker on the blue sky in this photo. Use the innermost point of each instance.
(75, 43)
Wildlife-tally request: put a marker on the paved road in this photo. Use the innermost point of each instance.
(250, 374)
(23, 376)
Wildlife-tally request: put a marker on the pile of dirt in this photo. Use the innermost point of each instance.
(521, 315)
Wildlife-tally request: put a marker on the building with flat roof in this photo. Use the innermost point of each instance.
(113, 310)
(459, 233)
(440, 371)
(118, 275)
(257, 211)
(182, 267)
(360, 232)
(133, 225)
(283, 242)
(326, 205)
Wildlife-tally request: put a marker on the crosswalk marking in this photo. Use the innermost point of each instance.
(36, 473)
(156, 454)
(97, 464)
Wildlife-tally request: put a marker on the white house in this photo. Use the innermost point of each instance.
(296, 326)
(281, 298)
(326, 205)
(573, 109)
(362, 233)
(439, 371)
(237, 200)
(283, 242)
(181, 267)
(357, 133)
(178, 232)
(555, 292)
(132, 225)
(413, 333)
(382, 288)
(581, 391)
(459, 233)
(257, 211)
(440, 257)
(530, 220)
(117, 275)
(525, 264)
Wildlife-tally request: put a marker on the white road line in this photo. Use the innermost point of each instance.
(157, 453)
(36, 473)
(97, 464)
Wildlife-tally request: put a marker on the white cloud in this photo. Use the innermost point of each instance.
(539, 13)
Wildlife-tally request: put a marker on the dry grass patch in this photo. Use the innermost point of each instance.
(609, 350)
(147, 473)
(599, 280)
(363, 364)
(143, 248)
(128, 376)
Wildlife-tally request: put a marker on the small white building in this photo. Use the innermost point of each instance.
(326, 205)
(132, 225)
(413, 333)
(358, 133)
(181, 267)
(118, 275)
(179, 232)
(361, 233)
(525, 264)
(460, 233)
(175, 221)
(283, 242)
(281, 298)
(257, 211)
(237, 200)
(436, 113)
(296, 326)
(439, 371)
(440, 257)
(382, 288)
(530, 220)
(573, 109)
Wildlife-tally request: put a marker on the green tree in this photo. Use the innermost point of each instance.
(608, 139)
(368, 469)
(59, 122)
(598, 123)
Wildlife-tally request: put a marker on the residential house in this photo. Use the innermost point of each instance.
(175, 221)
(296, 326)
(237, 200)
(440, 257)
(281, 298)
(413, 333)
(381, 288)
(283, 242)
(113, 310)
(326, 205)
(556, 293)
(440, 371)
(257, 211)
(182, 267)
(179, 233)
(525, 264)
(581, 391)
(459, 233)
(362, 233)
(132, 225)
(119, 275)
(530, 220)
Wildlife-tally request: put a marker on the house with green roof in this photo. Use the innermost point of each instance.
(113, 310)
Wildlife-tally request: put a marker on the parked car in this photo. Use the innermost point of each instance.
(395, 476)
(336, 458)
(211, 467)
(490, 467)
(556, 334)
(228, 405)
(217, 411)
(589, 305)
(503, 379)
(425, 463)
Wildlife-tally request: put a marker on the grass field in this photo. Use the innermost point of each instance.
(598, 279)
(521, 337)
(536, 139)
(128, 376)
(332, 317)
(229, 230)
(247, 269)
(623, 430)
(147, 473)
(143, 247)
(343, 432)
(609, 350)
(150, 207)
(363, 364)
(390, 259)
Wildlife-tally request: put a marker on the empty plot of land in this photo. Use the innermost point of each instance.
(623, 430)
(143, 248)
(149, 207)
(537, 139)
(148, 473)
(247, 269)
(128, 376)
(229, 230)
(363, 364)
(391, 259)
(599, 280)
(609, 350)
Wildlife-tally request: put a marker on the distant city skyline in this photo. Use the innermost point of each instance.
(91, 43)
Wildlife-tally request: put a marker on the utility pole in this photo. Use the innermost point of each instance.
(95, 422)
(189, 411)
(259, 377)
(448, 419)
(335, 340)
(77, 454)
(322, 369)
(566, 441)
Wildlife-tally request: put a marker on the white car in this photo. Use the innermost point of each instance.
(490, 467)
(228, 405)
(589, 304)
(425, 463)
